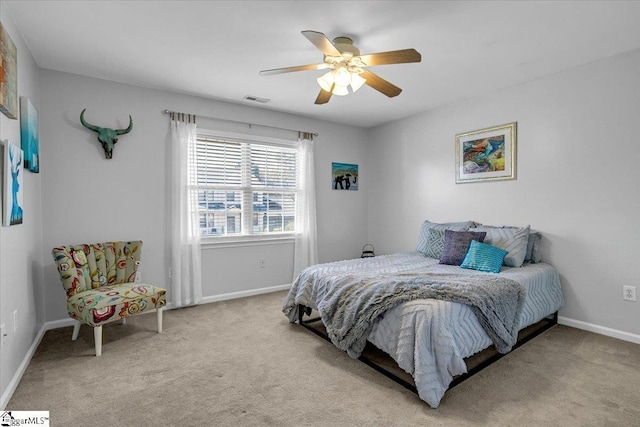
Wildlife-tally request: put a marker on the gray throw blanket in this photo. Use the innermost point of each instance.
(353, 303)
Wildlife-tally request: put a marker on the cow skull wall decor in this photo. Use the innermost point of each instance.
(107, 137)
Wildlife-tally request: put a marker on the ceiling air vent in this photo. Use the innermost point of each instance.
(256, 99)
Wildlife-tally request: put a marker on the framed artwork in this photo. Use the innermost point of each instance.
(486, 154)
(344, 176)
(8, 76)
(12, 188)
(29, 134)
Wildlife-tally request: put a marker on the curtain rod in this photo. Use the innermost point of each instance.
(244, 123)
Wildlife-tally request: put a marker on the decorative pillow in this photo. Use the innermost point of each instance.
(427, 225)
(533, 243)
(456, 245)
(434, 243)
(533, 247)
(483, 257)
(512, 240)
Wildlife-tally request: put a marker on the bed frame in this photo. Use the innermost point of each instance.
(383, 363)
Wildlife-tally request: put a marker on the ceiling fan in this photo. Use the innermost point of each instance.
(347, 67)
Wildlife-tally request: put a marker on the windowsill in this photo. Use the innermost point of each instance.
(237, 241)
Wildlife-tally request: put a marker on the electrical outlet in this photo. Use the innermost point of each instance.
(170, 273)
(15, 320)
(629, 293)
(262, 263)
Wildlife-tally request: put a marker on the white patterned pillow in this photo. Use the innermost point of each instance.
(423, 242)
(512, 240)
(533, 245)
(434, 243)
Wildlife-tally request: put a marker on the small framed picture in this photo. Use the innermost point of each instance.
(486, 154)
(344, 176)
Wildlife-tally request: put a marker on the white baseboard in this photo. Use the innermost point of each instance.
(6, 396)
(602, 330)
(242, 294)
(55, 324)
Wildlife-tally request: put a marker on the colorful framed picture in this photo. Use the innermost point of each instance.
(486, 154)
(8, 75)
(12, 188)
(344, 176)
(29, 135)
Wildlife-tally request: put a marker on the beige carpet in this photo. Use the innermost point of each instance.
(240, 363)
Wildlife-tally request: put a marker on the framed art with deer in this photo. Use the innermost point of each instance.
(12, 189)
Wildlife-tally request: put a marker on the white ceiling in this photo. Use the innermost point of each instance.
(215, 49)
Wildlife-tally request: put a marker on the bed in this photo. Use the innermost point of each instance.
(430, 338)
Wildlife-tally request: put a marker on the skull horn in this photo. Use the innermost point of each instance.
(88, 125)
(127, 130)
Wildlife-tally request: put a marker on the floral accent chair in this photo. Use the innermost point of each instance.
(101, 286)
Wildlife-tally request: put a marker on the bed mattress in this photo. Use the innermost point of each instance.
(429, 339)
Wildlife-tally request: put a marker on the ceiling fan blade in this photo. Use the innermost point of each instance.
(380, 84)
(323, 97)
(392, 57)
(321, 42)
(292, 69)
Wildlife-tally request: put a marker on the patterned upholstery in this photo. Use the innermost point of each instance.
(108, 303)
(99, 280)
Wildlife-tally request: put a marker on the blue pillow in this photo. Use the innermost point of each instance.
(484, 257)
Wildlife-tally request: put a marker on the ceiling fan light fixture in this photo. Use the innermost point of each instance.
(340, 90)
(326, 81)
(357, 82)
(342, 77)
(337, 81)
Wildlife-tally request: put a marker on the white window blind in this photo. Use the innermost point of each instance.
(245, 187)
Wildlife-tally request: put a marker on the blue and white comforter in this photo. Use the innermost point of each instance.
(429, 338)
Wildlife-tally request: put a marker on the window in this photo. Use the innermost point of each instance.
(246, 187)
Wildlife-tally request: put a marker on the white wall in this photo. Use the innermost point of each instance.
(87, 198)
(20, 245)
(578, 169)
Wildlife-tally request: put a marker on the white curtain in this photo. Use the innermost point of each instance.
(306, 247)
(186, 280)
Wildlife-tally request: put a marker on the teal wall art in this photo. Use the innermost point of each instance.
(29, 135)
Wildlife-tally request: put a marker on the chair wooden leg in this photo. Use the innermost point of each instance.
(159, 315)
(97, 336)
(76, 330)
